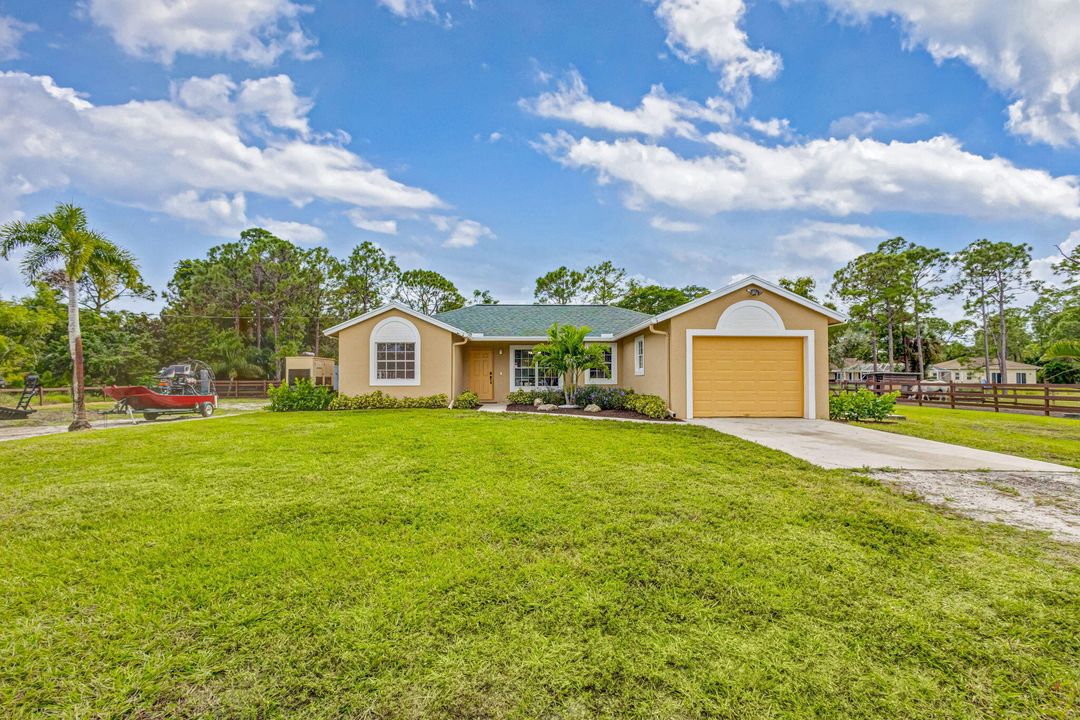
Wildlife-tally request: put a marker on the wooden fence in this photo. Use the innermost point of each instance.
(249, 389)
(1044, 399)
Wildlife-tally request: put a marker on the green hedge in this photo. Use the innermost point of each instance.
(649, 405)
(379, 400)
(526, 397)
(467, 400)
(604, 396)
(301, 396)
(863, 404)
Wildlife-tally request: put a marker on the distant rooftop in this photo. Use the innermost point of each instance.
(534, 320)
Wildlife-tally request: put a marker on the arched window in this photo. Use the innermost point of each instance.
(395, 353)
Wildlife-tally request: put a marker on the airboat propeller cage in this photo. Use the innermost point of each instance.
(181, 388)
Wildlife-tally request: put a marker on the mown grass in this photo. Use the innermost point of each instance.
(416, 564)
(1051, 439)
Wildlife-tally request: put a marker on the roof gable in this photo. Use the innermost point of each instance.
(393, 305)
(734, 287)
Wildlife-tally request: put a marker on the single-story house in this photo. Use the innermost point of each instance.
(974, 371)
(751, 349)
(855, 370)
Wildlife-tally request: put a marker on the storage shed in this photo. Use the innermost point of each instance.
(319, 370)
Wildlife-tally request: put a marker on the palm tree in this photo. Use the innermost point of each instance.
(61, 241)
(566, 354)
(233, 358)
(1063, 350)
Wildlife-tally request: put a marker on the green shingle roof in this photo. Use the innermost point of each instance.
(534, 320)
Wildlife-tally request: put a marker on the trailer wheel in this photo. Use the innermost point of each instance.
(150, 417)
(206, 409)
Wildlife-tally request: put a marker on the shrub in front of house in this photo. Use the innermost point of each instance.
(526, 397)
(607, 397)
(379, 400)
(649, 405)
(300, 396)
(863, 404)
(467, 400)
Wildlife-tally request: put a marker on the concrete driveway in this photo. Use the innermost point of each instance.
(837, 445)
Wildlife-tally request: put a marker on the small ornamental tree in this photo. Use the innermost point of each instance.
(565, 354)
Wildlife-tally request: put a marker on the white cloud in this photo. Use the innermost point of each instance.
(255, 31)
(663, 224)
(1029, 50)
(463, 233)
(162, 155)
(774, 127)
(11, 34)
(270, 99)
(411, 9)
(1045, 268)
(297, 232)
(215, 212)
(711, 29)
(659, 113)
(866, 124)
(360, 220)
(839, 177)
(835, 243)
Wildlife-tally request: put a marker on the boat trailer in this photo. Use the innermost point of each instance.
(22, 409)
(181, 389)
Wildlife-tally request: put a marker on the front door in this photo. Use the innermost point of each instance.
(481, 374)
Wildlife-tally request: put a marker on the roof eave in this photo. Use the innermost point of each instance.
(837, 317)
(393, 305)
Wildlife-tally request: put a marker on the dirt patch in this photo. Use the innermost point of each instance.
(1048, 501)
(620, 414)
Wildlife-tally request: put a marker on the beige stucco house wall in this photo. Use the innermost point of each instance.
(354, 351)
(749, 308)
(794, 316)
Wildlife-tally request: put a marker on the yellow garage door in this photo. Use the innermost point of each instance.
(748, 376)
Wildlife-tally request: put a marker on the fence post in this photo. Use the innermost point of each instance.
(994, 392)
(952, 395)
(1046, 399)
(918, 389)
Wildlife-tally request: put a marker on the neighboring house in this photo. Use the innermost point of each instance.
(973, 371)
(749, 349)
(855, 370)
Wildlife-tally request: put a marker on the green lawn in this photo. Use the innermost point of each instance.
(416, 564)
(1051, 439)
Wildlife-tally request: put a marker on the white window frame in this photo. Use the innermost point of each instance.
(996, 373)
(639, 355)
(1021, 377)
(614, 379)
(512, 376)
(373, 375)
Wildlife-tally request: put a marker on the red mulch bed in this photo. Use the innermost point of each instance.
(629, 414)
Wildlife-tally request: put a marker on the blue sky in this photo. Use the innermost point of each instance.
(690, 141)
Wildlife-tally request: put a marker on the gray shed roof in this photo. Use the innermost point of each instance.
(534, 320)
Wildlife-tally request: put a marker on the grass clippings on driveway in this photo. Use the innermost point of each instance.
(419, 564)
(1050, 439)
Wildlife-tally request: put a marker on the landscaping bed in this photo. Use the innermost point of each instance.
(620, 414)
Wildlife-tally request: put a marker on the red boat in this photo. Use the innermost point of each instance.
(188, 388)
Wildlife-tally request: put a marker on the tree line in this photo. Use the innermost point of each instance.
(249, 303)
(891, 294)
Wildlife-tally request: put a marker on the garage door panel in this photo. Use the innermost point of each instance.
(748, 377)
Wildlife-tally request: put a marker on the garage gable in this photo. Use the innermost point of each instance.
(750, 350)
